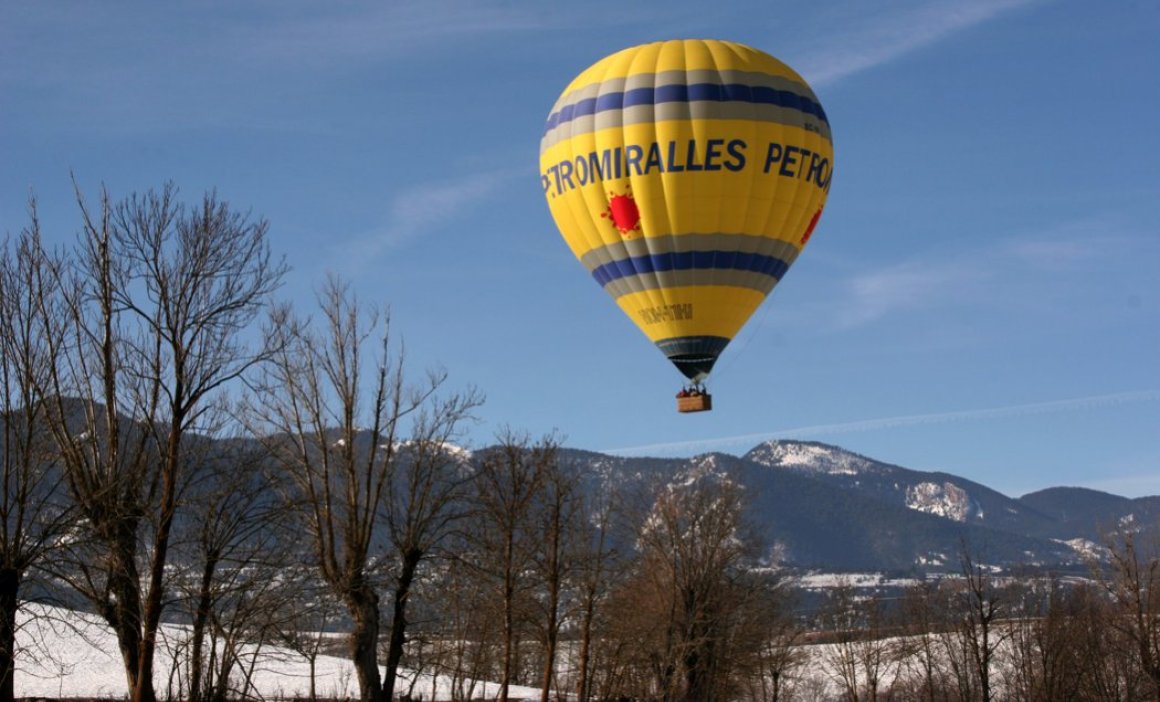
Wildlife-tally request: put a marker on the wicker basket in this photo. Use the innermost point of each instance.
(695, 403)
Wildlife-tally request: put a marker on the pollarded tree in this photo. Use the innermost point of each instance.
(335, 409)
(160, 295)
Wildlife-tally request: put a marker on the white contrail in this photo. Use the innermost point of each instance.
(1077, 403)
(891, 35)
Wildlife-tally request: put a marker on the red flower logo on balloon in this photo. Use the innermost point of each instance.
(623, 212)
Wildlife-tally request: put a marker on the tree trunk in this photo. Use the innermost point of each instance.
(584, 663)
(154, 600)
(553, 635)
(364, 640)
(398, 634)
(9, 592)
(200, 618)
(122, 608)
(219, 692)
(698, 683)
(313, 678)
(699, 645)
(595, 578)
(509, 589)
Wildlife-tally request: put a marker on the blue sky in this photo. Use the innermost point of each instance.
(980, 297)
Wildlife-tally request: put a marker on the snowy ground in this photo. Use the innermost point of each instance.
(66, 654)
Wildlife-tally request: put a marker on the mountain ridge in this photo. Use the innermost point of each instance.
(831, 508)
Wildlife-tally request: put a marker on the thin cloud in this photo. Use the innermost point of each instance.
(749, 440)
(1060, 259)
(421, 210)
(890, 36)
(1079, 245)
(907, 286)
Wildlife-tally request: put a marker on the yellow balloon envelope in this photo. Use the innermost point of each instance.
(687, 176)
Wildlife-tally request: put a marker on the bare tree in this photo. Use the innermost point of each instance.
(237, 551)
(781, 657)
(860, 656)
(1110, 673)
(425, 499)
(310, 614)
(1131, 578)
(558, 518)
(333, 409)
(164, 293)
(509, 480)
(981, 606)
(33, 513)
(840, 658)
(635, 647)
(596, 561)
(466, 620)
(1044, 659)
(693, 555)
(925, 619)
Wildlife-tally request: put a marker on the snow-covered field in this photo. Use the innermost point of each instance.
(66, 654)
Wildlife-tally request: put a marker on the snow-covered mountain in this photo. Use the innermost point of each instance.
(813, 458)
(940, 494)
(831, 508)
(928, 493)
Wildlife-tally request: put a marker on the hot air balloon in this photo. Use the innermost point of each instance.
(687, 176)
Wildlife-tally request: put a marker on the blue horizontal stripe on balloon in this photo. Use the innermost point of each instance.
(688, 261)
(713, 92)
